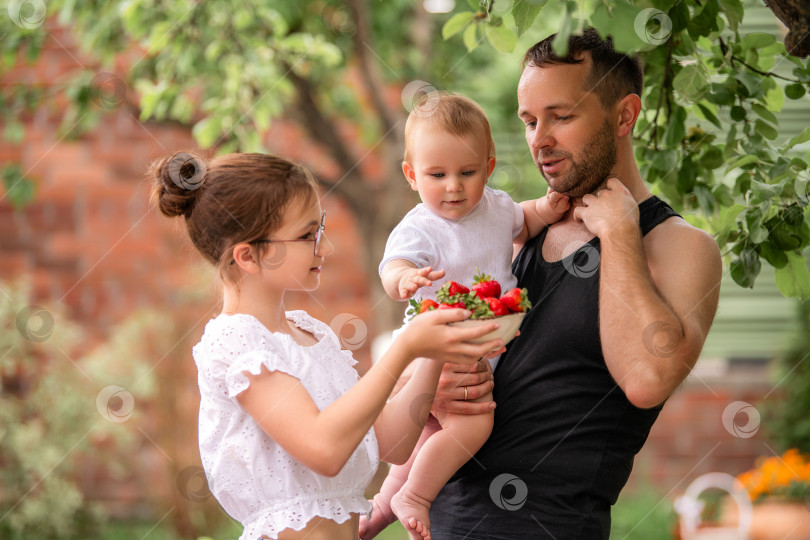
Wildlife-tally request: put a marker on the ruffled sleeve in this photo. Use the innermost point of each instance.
(251, 362)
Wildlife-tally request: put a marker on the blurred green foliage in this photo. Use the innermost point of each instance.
(62, 408)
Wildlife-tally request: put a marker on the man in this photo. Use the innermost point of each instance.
(624, 293)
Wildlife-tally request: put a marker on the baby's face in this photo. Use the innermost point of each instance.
(448, 171)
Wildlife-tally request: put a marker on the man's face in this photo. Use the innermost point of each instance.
(571, 139)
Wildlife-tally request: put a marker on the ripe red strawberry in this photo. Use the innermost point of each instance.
(496, 306)
(453, 306)
(420, 306)
(456, 288)
(485, 287)
(516, 300)
(451, 292)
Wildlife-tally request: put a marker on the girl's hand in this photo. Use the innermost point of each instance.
(477, 379)
(429, 336)
(413, 279)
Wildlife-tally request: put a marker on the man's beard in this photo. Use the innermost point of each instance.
(598, 159)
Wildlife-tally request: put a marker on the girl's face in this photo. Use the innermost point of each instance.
(290, 260)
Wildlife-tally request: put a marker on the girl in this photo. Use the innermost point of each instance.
(289, 437)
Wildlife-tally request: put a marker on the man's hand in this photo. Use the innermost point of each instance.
(414, 278)
(611, 209)
(476, 379)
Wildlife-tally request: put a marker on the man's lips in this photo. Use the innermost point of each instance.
(551, 166)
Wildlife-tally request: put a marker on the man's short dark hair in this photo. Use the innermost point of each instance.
(613, 75)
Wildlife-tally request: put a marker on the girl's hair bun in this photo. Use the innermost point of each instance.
(178, 178)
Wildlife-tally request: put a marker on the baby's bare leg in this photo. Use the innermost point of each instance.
(381, 514)
(442, 455)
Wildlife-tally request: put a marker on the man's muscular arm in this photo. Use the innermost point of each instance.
(657, 297)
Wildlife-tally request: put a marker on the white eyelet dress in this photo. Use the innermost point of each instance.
(253, 478)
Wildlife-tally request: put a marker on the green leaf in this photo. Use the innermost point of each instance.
(745, 268)
(676, 130)
(456, 24)
(560, 42)
(766, 130)
(775, 98)
(795, 91)
(709, 115)
(756, 229)
(470, 38)
(501, 37)
(776, 257)
(14, 132)
(747, 159)
(524, 12)
(734, 12)
(737, 113)
(793, 279)
(705, 22)
(712, 158)
(757, 40)
(691, 81)
(679, 15)
(764, 113)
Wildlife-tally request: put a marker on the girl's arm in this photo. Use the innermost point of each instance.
(324, 440)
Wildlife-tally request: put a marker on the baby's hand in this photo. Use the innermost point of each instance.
(415, 278)
(557, 202)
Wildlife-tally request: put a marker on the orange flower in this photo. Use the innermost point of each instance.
(783, 477)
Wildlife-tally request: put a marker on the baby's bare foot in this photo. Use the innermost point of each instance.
(381, 517)
(413, 512)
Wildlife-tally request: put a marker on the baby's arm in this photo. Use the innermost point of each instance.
(323, 440)
(539, 213)
(401, 279)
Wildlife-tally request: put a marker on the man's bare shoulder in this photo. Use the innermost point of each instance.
(676, 247)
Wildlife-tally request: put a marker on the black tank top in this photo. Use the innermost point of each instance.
(565, 435)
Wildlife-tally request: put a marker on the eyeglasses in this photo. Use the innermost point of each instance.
(317, 239)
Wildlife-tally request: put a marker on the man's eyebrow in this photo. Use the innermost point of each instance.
(552, 107)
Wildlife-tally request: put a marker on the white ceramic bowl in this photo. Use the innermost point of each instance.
(509, 327)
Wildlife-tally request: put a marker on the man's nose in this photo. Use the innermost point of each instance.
(543, 137)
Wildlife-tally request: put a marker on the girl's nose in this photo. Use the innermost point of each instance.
(325, 247)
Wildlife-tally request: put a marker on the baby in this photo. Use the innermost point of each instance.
(460, 224)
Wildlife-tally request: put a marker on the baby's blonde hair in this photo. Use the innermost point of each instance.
(455, 114)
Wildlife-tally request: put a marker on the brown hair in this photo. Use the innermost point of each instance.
(230, 199)
(456, 114)
(613, 75)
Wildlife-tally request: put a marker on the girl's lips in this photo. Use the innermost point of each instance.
(552, 167)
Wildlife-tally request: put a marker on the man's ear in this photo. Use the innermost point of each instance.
(628, 109)
(410, 175)
(244, 256)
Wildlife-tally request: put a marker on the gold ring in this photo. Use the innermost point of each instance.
(465, 393)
